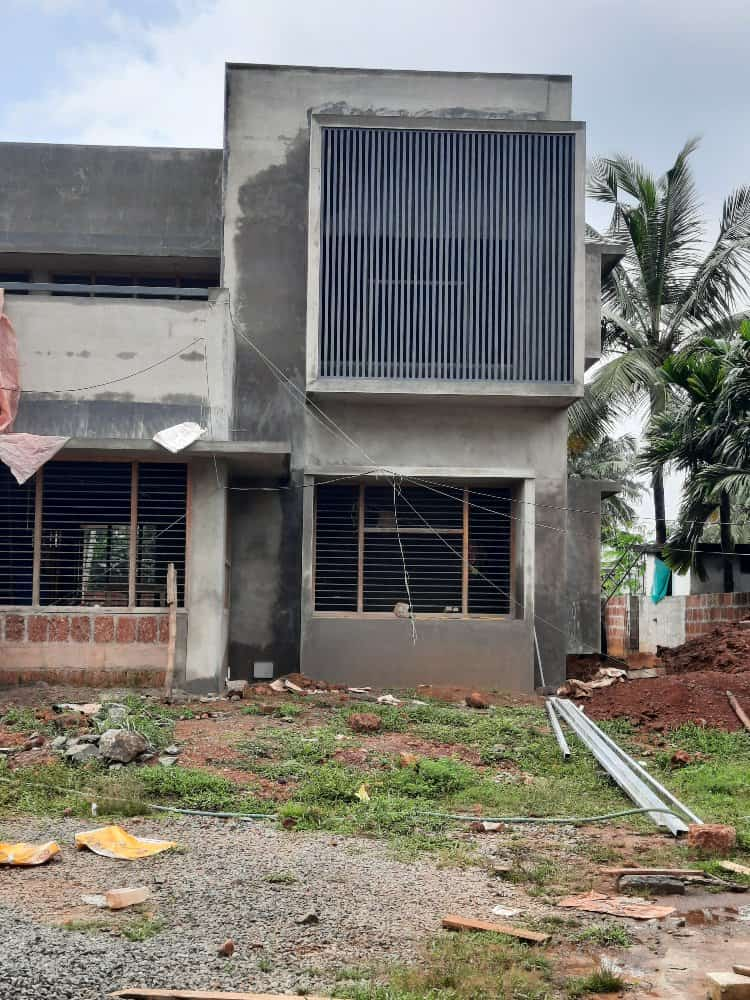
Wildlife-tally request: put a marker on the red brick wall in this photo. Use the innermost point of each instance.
(83, 647)
(704, 611)
(617, 621)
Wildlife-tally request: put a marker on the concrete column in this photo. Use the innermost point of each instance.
(208, 618)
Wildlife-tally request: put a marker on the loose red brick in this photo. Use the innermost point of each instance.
(164, 628)
(15, 628)
(37, 628)
(80, 628)
(58, 628)
(712, 838)
(126, 628)
(104, 628)
(147, 629)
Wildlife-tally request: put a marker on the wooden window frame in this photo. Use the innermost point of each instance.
(462, 532)
(131, 606)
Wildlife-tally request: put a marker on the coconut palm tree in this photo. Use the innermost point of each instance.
(666, 291)
(706, 434)
(609, 458)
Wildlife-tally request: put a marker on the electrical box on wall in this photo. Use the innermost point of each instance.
(262, 670)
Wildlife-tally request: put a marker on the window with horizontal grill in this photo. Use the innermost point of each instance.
(105, 533)
(455, 550)
(446, 255)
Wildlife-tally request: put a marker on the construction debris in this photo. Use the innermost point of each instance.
(735, 867)
(617, 906)
(476, 700)
(504, 911)
(238, 689)
(728, 986)
(663, 808)
(454, 923)
(604, 677)
(118, 899)
(180, 436)
(712, 838)
(557, 730)
(738, 711)
(114, 842)
(27, 854)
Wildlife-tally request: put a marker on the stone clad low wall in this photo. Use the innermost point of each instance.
(91, 647)
(636, 626)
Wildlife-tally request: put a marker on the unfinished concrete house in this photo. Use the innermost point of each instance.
(378, 302)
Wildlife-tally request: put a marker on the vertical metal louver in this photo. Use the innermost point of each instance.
(446, 255)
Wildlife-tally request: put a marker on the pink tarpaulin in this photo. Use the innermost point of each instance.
(22, 453)
(25, 453)
(10, 390)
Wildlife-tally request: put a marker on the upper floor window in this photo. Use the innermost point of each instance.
(446, 255)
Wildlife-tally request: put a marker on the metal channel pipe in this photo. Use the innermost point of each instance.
(642, 772)
(633, 786)
(557, 730)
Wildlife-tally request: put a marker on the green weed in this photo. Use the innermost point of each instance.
(605, 936)
(602, 980)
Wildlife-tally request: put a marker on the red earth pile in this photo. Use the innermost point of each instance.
(699, 673)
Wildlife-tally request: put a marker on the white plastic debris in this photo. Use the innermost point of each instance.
(388, 699)
(505, 911)
(180, 436)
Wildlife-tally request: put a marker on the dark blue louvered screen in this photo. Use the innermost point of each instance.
(446, 255)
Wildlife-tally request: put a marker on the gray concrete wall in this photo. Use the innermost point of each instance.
(206, 597)
(109, 200)
(583, 548)
(67, 343)
(265, 256)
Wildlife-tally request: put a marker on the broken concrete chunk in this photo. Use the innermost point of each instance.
(94, 899)
(167, 761)
(173, 751)
(118, 899)
(116, 712)
(121, 745)
(79, 753)
(659, 885)
(728, 986)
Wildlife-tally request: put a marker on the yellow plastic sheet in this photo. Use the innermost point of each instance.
(27, 854)
(114, 842)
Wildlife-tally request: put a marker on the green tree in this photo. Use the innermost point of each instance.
(615, 459)
(705, 433)
(664, 294)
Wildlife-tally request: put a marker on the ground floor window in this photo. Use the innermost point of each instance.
(453, 545)
(93, 534)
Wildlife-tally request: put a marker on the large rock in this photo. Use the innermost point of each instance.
(121, 745)
(712, 838)
(659, 885)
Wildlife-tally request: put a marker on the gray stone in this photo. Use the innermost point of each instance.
(82, 752)
(173, 751)
(311, 917)
(88, 738)
(660, 885)
(122, 745)
(167, 761)
(59, 743)
(116, 712)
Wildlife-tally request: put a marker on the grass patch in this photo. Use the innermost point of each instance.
(142, 928)
(22, 720)
(137, 928)
(282, 878)
(463, 967)
(50, 789)
(605, 936)
(602, 980)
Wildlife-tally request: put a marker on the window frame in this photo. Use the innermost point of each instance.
(462, 533)
(131, 605)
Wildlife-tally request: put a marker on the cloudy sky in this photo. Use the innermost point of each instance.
(646, 75)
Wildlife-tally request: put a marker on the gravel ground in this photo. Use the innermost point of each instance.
(371, 909)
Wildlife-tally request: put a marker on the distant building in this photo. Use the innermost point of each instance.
(379, 302)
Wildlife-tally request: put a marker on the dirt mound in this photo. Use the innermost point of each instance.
(663, 703)
(725, 648)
